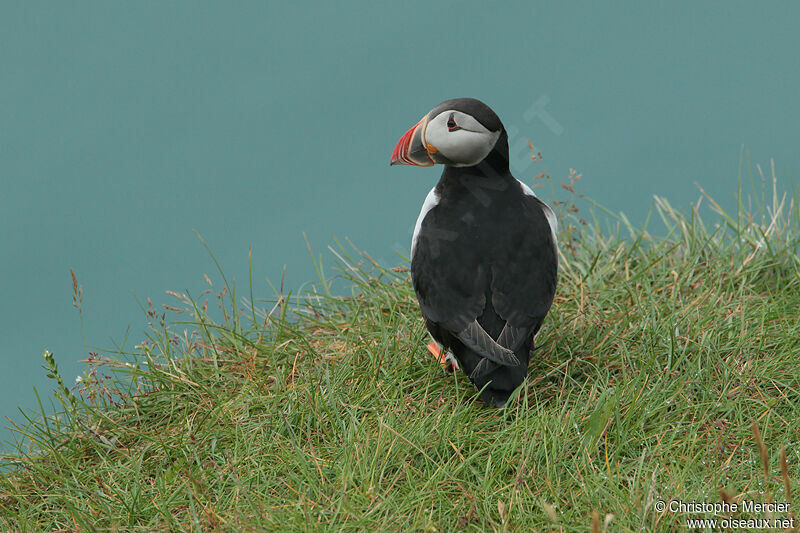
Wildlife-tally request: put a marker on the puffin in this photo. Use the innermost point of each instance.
(484, 253)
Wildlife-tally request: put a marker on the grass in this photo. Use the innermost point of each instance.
(667, 370)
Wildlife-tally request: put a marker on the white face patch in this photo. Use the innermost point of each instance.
(460, 138)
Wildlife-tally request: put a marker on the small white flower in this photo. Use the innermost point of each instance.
(78, 380)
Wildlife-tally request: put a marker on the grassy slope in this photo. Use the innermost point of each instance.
(655, 362)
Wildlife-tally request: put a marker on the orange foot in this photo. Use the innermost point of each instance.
(442, 357)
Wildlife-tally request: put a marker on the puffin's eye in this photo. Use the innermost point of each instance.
(451, 123)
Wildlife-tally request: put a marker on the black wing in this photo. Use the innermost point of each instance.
(523, 277)
(523, 283)
(450, 274)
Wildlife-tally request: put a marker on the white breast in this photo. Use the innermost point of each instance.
(552, 220)
(431, 201)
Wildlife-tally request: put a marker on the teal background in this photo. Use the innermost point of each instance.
(125, 126)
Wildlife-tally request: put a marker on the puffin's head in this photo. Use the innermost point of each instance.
(458, 133)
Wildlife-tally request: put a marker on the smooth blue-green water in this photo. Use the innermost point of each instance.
(125, 126)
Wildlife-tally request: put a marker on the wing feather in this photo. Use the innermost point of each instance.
(475, 338)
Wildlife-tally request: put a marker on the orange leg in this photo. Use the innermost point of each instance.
(441, 357)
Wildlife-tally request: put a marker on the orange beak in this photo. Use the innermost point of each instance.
(411, 149)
